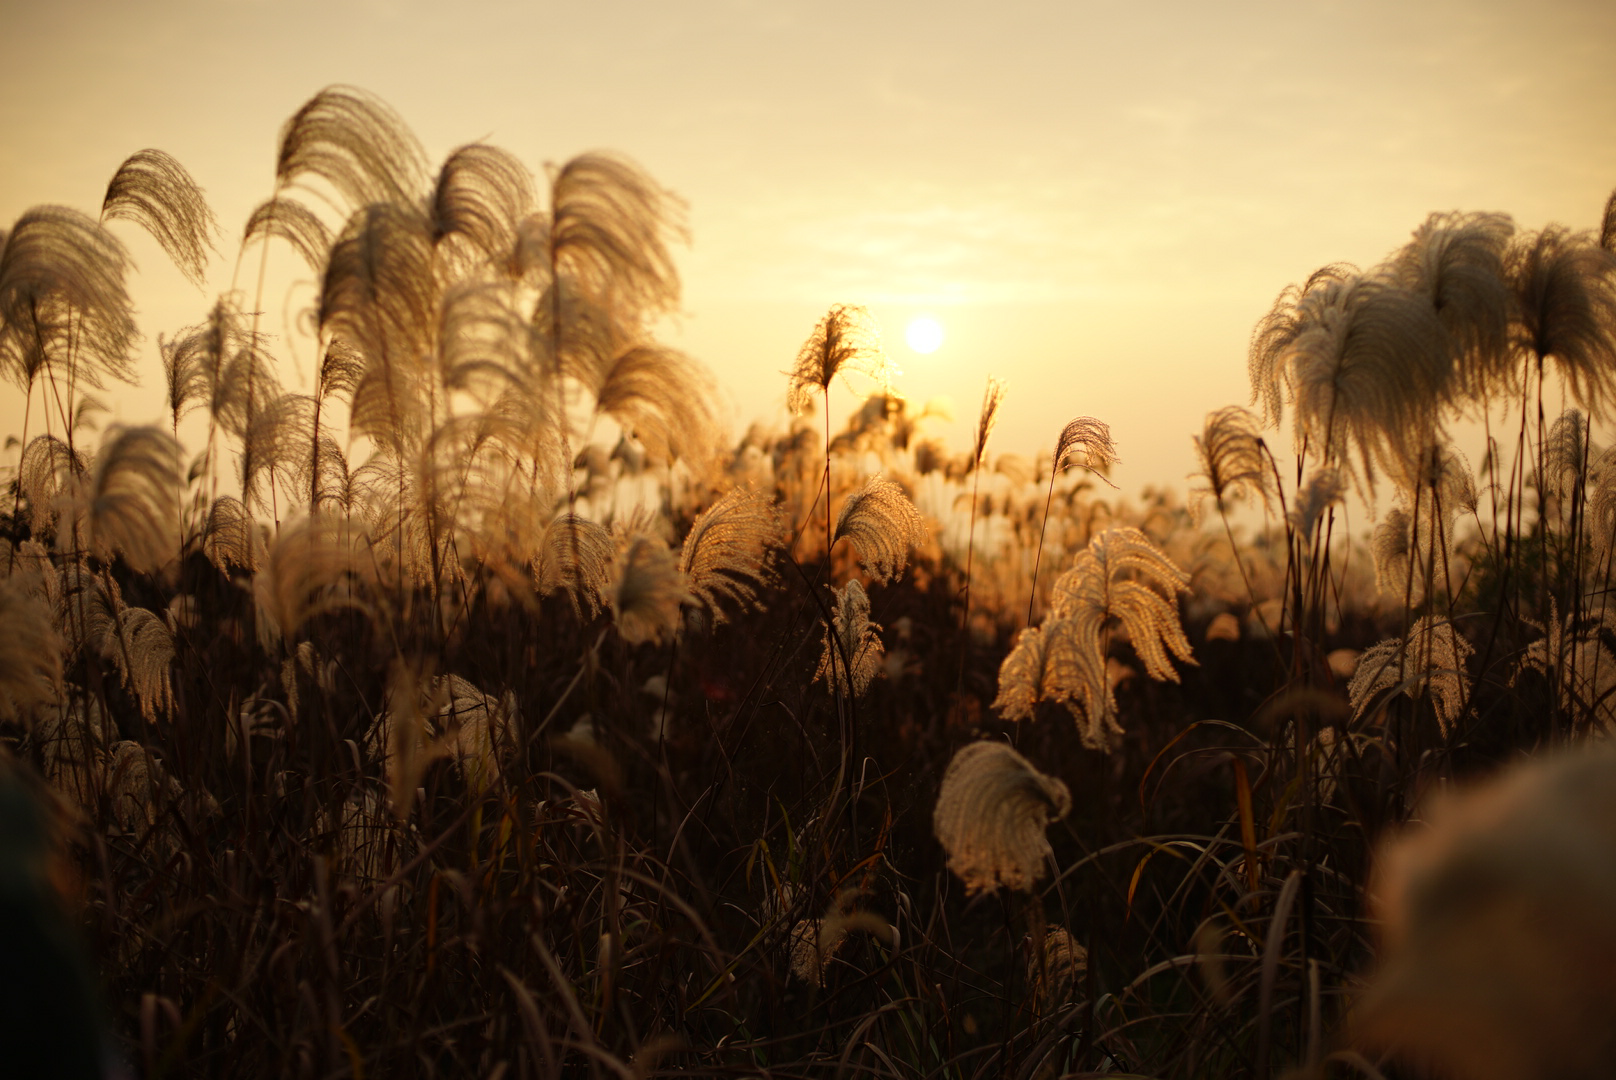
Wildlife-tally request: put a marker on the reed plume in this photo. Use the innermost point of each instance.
(660, 397)
(728, 552)
(992, 810)
(844, 340)
(286, 219)
(155, 192)
(129, 506)
(30, 655)
(883, 525)
(230, 537)
(1456, 262)
(1565, 294)
(575, 554)
(1233, 460)
(646, 591)
(1573, 656)
(1053, 970)
(481, 196)
(1427, 662)
(1086, 443)
(44, 476)
(143, 651)
(308, 570)
(478, 730)
(64, 306)
(852, 655)
(1325, 487)
(356, 143)
(1120, 581)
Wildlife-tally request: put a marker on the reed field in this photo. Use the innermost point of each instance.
(490, 711)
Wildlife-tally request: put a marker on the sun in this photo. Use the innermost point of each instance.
(925, 334)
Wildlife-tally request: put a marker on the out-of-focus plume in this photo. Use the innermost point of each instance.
(283, 218)
(844, 340)
(130, 504)
(30, 655)
(852, 655)
(155, 192)
(1496, 928)
(992, 810)
(728, 551)
(309, 569)
(1325, 487)
(660, 396)
(230, 537)
(481, 194)
(646, 591)
(883, 525)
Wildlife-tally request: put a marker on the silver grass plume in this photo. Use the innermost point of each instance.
(30, 655)
(728, 552)
(357, 144)
(660, 397)
(646, 591)
(1565, 292)
(883, 525)
(186, 384)
(139, 789)
(481, 196)
(1576, 659)
(1456, 261)
(141, 646)
(992, 398)
(1054, 969)
(1566, 453)
(1602, 499)
(608, 232)
(1391, 546)
(992, 810)
(1429, 661)
(287, 219)
(1086, 443)
(1325, 487)
(230, 537)
(855, 647)
(44, 476)
(478, 730)
(155, 192)
(1233, 460)
(1367, 366)
(575, 554)
(129, 506)
(1121, 580)
(63, 301)
(844, 340)
(310, 568)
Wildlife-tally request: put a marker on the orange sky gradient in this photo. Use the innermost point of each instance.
(1097, 200)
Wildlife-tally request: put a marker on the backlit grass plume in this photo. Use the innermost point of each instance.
(1430, 662)
(1565, 295)
(845, 340)
(727, 554)
(1233, 460)
(992, 810)
(1120, 582)
(883, 526)
(852, 655)
(30, 654)
(1053, 971)
(155, 192)
(1573, 655)
(1086, 443)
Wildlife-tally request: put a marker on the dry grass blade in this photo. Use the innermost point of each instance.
(155, 192)
(727, 554)
(883, 525)
(992, 810)
(854, 649)
(845, 340)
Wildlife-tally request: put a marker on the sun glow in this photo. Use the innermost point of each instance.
(925, 334)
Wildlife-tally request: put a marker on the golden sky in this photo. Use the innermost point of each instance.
(1097, 200)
